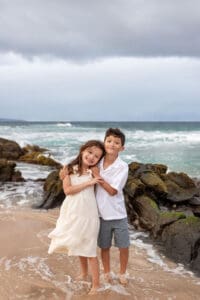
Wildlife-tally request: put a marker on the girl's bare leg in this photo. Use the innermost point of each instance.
(94, 267)
(84, 268)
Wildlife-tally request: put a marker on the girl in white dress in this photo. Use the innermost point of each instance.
(77, 227)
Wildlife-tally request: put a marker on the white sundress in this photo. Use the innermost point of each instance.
(77, 227)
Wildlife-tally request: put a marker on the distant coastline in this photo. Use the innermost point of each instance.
(101, 121)
(11, 120)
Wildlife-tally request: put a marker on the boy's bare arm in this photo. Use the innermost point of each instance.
(109, 189)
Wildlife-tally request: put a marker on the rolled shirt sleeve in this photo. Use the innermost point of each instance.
(119, 178)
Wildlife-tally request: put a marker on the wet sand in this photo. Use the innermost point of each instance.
(28, 272)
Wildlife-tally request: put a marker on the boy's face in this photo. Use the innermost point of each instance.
(113, 145)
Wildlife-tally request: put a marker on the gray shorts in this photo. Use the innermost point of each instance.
(113, 228)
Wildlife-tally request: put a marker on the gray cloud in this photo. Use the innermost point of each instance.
(89, 29)
(114, 89)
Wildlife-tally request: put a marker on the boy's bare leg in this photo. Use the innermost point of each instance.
(84, 268)
(94, 267)
(123, 264)
(105, 256)
(123, 259)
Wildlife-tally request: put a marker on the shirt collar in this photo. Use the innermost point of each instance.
(113, 165)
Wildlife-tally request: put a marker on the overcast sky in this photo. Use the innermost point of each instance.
(117, 60)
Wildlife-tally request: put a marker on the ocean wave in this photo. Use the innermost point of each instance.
(21, 194)
(158, 137)
(64, 124)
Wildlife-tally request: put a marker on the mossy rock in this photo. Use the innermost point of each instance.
(33, 148)
(9, 149)
(195, 201)
(169, 217)
(157, 168)
(181, 240)
(134, 166)
(175, 193)
(137, 169)
(192, 220)
(153, 181)
(48, 161)
(147, 211)
(8, 172)
(53, 180)
(172, 214)
(53, 191)
(134, 187)
(38, 158)
(181, 179)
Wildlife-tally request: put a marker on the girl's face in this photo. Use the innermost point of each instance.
(91, 156)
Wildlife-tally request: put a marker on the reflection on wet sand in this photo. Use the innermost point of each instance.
(28, 272)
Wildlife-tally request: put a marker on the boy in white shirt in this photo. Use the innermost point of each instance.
(110, 200)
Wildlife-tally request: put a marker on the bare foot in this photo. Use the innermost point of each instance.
(123, 280)
(94, 290)
(108, 278)
(82, 277)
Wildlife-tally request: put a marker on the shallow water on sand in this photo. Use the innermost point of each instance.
(28, 272)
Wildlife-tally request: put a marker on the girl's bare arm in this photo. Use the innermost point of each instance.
(63, 172)
(74, 189)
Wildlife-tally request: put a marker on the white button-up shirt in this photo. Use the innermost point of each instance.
(112, 207)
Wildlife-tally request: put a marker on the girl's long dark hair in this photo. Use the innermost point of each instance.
(78, 160)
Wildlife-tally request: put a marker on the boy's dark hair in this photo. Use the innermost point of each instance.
(117, 133)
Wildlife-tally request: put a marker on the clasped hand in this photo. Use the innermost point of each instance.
(95, 173)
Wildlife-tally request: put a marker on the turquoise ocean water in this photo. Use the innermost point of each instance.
(175, 144)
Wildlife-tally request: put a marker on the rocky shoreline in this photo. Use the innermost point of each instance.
(168, 206)
(165, 204)
(11, 152)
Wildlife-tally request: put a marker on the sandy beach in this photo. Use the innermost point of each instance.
(28, 272)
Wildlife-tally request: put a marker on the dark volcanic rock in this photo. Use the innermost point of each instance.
(134, 187)
(36, 157)
(9, 149)
(153, 181)
(168, 206)
(182, 240)
(53, 191)
(8, 173)
(147, 211)
(195, 201)
(136, 168)
(181, 179)
(180, 187)
(33, 148)
(29, 154)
